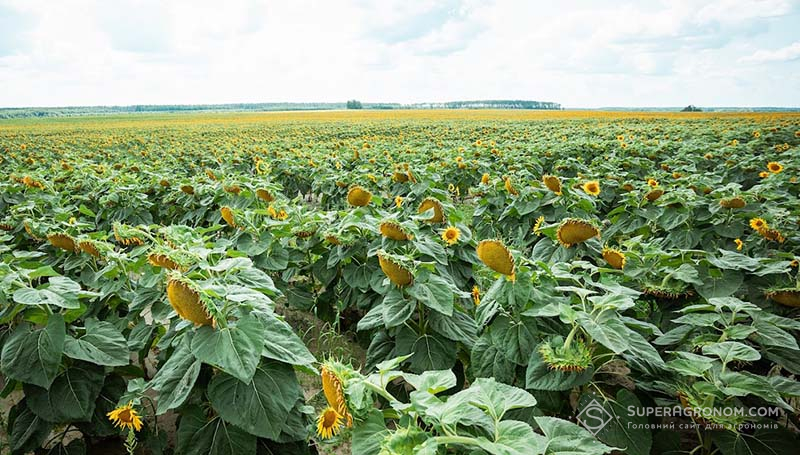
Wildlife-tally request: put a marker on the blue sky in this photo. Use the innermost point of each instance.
(579, 53)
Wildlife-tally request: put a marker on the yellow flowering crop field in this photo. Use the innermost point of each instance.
(522, 282)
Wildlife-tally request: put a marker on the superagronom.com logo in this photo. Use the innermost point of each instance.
(594, 417)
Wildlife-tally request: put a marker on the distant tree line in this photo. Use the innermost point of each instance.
(7, 113)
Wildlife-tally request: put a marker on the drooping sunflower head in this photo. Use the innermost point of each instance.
(774, 167)
(358, 196)
(334, 382)
(785, 296)
(163, 260)
(572, 231)
(673, 290)
(128, 235)
(496, 256)
(438, 209)
(592, 188)
(187, 189)
(393, 268)
(227, 215)
(63, 241)
(575, 358)
(758, 224)
(400, 177)
(735, 202)
(614, 257)
(510, 187)
(126, 417)
(772, 235)
(451, 235)
(537, 226)
(89, 247)
(329, 423)
(186, 301)
(553, 183)
(264, 195)
(393, 230)
(654, 194)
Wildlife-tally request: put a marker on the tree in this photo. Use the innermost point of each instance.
(354, 104)
(691, 108)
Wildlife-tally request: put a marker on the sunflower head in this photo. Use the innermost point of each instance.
(509, 187)
(63, 241)
(572, 231)
(575, 358)
(451, 235)
(496, 256)
(358, 196)
(774, 167)
(739, 244)
(334, 381)
(163, 260)
(485, 179)
(227, 215)
(187, 189)
(553, 183)
(89, 247)
(592, 188)
(772, 235)
(735, 202)
(126, 417)
(654, 194)
(438, 210)
(264, 195)
(758, 224)
(394, 231)
(186, 301)
(400, 177)
(476, 295)
(614, 257)
(786, 296)
(392, 267)
(127, 235)
(652, 183)
(329, 423)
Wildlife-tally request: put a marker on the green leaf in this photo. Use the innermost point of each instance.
(436, 294)
(720, 284)
(729, 351)
(518, 338)
(176, 377)
(234, 349)
(430, 352)
(514, 438)
(763, 442)
(102, 344)
(26, 431)
(259, 406)
(622, 430)
(433, 381)
(566, 438)
(497, 398)
(61, 292)
(539, 376)
(33, 356)
(396, 308)
(458, 327)
(607, 330)
(76, 447)
(283, 344)
(487, 360)
(198, 436)
(369, 434)
(99, 426)
(689, 364)
(71, 397)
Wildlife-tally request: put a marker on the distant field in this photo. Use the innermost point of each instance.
(522, 263)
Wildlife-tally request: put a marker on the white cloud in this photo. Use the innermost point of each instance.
(784, 54)
(578, 53)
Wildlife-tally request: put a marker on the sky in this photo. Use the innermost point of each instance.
(580, 53)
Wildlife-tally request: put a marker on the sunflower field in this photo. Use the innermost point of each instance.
(518, 283)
